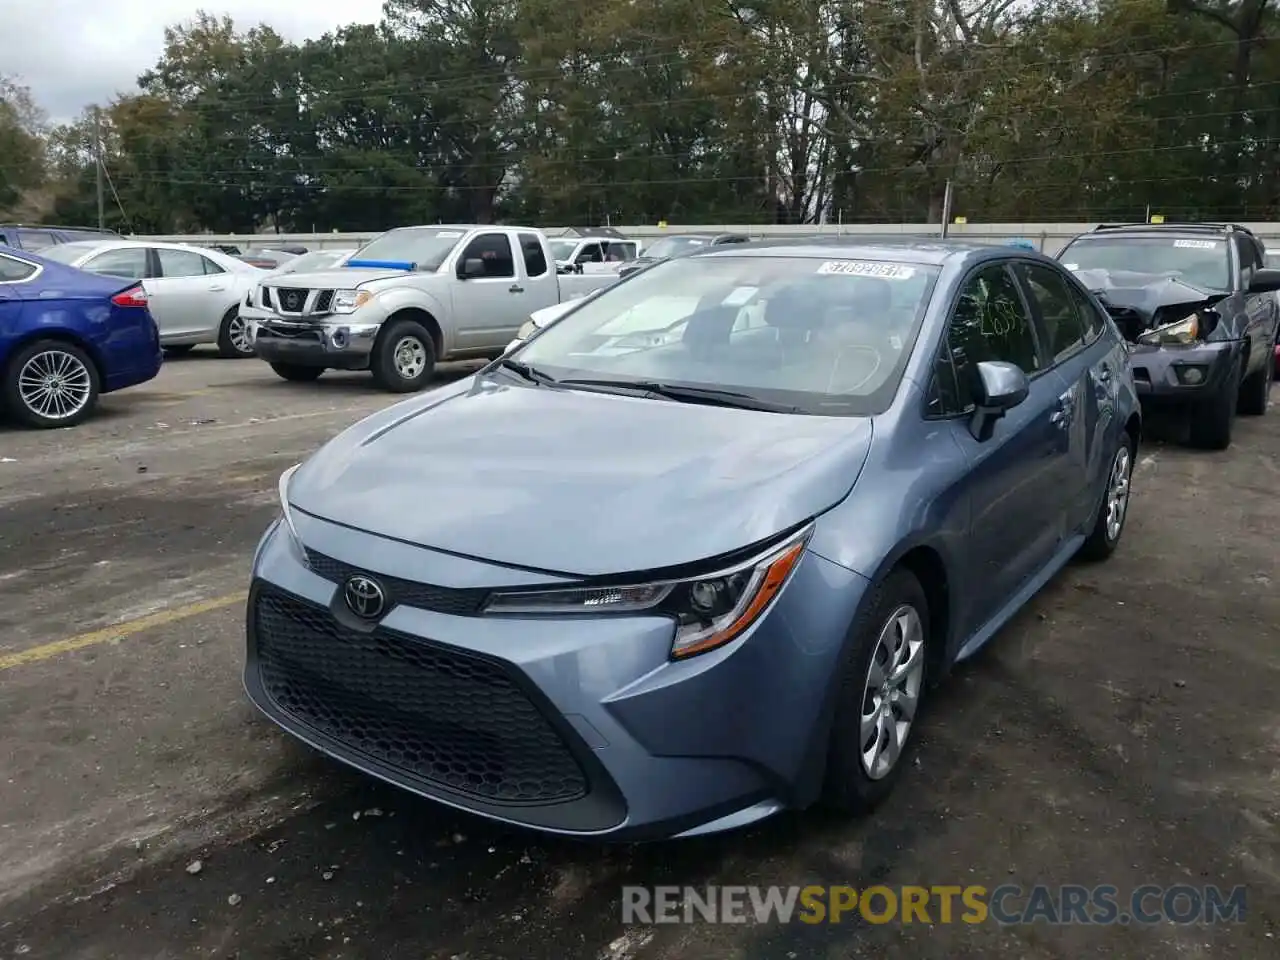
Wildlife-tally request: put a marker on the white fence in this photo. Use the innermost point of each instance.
(1049, 237)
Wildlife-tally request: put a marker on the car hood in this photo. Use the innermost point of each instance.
(1151, 297)
(579, 483)
(341, 278)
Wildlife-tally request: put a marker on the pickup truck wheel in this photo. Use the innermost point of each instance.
(403, 358)
(297, 372)
(1211, 421)
(1256, 389)
(233, 336)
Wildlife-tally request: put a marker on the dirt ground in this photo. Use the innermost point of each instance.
(1124, 730)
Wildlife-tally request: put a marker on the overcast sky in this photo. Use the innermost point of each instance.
(73, 53)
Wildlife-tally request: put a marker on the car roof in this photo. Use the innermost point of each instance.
(918, 250)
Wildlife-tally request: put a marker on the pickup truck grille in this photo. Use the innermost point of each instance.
(291, 300)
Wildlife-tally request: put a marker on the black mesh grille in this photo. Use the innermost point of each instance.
(291, 300)
(424, 596)
(440, 715)
(324, 301)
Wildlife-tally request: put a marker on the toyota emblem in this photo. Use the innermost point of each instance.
(365, 597)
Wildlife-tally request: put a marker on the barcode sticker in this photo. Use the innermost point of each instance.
(449, 234)
(867, 268)
(1073, 267)
(1197, 244)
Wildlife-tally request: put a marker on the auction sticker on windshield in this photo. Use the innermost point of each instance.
(449, 234)
(1197, 244)
(868, 268)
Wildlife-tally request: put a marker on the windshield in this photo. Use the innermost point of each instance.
(427, 247)
(671, 246)
(562, 249)
(319, 260)
(828, 337)
(1201, 263)
(68, 252)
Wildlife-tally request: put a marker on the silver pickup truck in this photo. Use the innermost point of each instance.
(410, 298)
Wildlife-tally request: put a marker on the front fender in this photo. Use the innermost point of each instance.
(388, 302)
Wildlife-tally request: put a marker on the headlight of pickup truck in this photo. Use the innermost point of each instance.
(527, 330)
(348, 301)
(1182, 332)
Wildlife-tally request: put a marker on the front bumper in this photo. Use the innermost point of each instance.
(572, 725)
(1181, 374)
(337, 343)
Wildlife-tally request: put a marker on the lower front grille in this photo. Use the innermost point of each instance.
(437, 715)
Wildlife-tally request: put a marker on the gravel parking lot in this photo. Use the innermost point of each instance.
(1124, 730)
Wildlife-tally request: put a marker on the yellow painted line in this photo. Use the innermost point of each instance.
(119, 631)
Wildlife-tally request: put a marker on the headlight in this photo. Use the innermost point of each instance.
(709, 611)
(527, 330)
(345, 301)
(1184, 331)
(286, 511)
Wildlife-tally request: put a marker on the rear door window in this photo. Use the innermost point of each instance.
(128, 263)
(1061, 323)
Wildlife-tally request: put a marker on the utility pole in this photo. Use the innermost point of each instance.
(98, 164)
(946, 209)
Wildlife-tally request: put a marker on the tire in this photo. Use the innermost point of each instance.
(296, 372)
(849, 786)
(1255, 392)
(1212, 421)
(181, 350)
(57, 360)
(1113, 511)
(233, 336)
(403, 358)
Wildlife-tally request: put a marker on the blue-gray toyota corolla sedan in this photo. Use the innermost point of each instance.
(694, 553)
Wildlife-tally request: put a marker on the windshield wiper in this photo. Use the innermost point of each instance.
(687, 394)
(532, 374)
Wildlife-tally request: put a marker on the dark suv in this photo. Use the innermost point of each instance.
(1197, 305)
(36, 237)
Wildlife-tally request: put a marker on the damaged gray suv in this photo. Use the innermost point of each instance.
(1196, 304)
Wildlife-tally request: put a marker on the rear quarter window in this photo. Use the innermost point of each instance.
(15, 271)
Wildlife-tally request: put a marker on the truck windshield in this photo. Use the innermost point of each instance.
(1201, 263)
(425, 247)
(563, 249)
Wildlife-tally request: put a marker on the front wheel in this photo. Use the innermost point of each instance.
(882, 684)
(1255, 392)
(1212, 421)
(233, 336)
(1109, 524)
(297, 372)
(403, 358)
(50, 384)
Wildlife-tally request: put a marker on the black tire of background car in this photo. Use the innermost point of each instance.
(226, 348)
(11, 399)
(382, 358)
(297, 372)
(846, 787)
(1255, 392)
(1212, 420)
(181, 350)
(1098, 545)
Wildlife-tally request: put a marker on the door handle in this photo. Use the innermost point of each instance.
(515, 288)
(217, 287)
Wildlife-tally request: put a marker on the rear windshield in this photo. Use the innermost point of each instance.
(69, 252)
(1201, 262)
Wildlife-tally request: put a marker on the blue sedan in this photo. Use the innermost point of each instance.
(67, 336)
(694, 553)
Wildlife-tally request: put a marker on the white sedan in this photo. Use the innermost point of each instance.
(194, 293)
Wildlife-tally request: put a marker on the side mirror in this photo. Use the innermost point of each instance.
(1265, 280)
(1001, 387)
(577, 268)
(470, 268)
